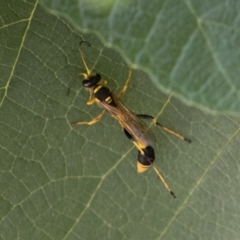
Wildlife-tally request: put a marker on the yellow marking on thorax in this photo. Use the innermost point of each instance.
(97, 88)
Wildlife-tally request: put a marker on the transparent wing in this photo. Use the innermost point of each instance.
(140, 132)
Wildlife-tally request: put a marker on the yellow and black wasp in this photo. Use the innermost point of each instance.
(134, 128)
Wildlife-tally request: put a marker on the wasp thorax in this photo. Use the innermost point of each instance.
(92, 81)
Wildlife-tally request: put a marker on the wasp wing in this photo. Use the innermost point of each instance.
(140, 132)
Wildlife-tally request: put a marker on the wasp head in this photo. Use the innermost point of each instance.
(92, 81)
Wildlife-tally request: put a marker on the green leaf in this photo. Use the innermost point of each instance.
(189, 48)
(64, 182)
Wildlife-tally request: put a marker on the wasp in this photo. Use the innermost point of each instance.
(134, 128)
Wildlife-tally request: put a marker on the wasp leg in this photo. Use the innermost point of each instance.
(145, 116)
(91, 100)
(126, 84)
(95, 120)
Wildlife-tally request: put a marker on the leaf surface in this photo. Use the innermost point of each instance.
(189, 48)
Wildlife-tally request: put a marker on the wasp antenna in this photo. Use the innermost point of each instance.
(162, 179)
(82, 56)
(81, 42)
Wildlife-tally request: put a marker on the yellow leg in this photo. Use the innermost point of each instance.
(126, 84)
(91, 101)
(95, 120)
(172, 132)
(138, 147)
(145, 116)
(162, 179)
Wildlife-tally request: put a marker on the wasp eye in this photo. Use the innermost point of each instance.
(87, 83)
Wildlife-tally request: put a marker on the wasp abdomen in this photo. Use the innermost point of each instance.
(145, 160)
(148, 157)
